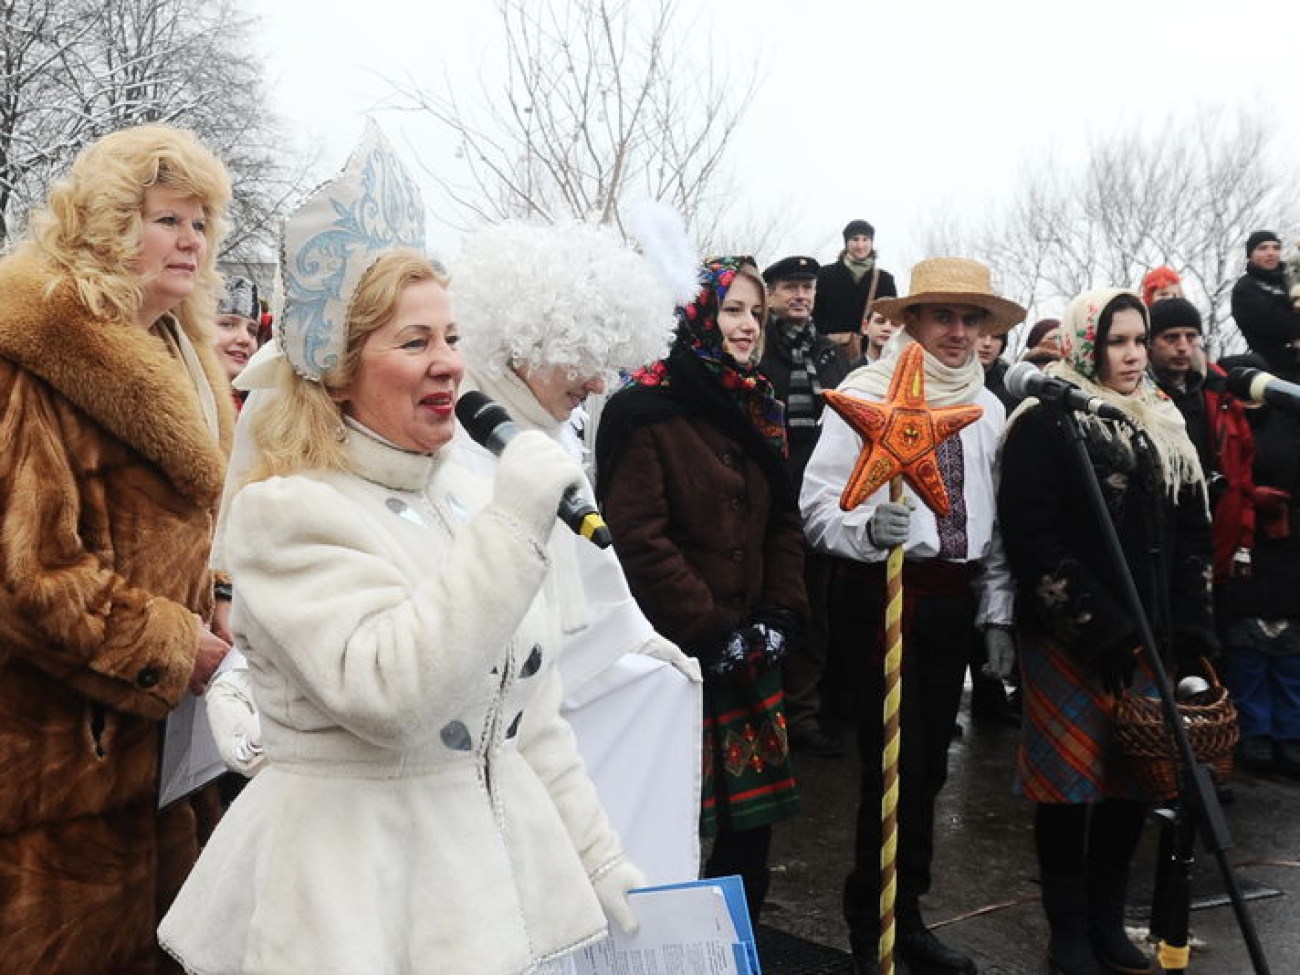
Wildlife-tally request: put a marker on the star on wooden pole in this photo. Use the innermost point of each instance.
(900, 436)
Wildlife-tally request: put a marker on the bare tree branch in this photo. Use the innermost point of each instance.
(597, 106)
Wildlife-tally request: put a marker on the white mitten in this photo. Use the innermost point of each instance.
(1001, 652)
(611, 886)
(533, 474)
(667, 651)
(888, 524)
(235, 724)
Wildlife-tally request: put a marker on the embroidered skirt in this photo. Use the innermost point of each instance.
(1067, 752)
(747, 779)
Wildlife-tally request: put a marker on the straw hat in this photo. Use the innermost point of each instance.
(954, 280)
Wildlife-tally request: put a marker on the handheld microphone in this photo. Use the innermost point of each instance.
(1026, 379)
(1263, 387)
(490, 426)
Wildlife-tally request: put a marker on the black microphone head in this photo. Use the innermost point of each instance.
(1018, 380)
(480, 416)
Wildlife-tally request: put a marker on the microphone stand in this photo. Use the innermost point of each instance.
(1196, 808)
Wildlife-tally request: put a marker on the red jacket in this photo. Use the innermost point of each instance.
(1233, 448)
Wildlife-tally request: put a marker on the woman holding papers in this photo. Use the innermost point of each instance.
(423, 808)
(111, 462)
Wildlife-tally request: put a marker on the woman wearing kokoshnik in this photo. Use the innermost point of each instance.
(422, 806)
(690, 471)
(1078, 637)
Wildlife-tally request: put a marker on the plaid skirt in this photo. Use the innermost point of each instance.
(1067, 749)
(747, 780)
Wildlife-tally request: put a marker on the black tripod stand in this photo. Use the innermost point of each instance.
(1196, 809)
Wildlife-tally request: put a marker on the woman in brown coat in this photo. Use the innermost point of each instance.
(695, 491)
(110, 471)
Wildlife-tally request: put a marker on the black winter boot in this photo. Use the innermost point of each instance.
(1107, 889)
(1065, 902)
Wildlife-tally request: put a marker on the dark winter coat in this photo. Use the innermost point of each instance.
(831, 365)
(841, 302)
(1263, 311)
(109, 481)
(708, 537)
(1067, 591)
(1218, 428)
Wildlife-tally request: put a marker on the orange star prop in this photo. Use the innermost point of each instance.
(900, 436)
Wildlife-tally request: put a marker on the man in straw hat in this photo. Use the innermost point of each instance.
(955, 579)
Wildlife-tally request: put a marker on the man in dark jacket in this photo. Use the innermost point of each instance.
(1217, 425)
(801, 363)
(1262, 308)
(846, 288)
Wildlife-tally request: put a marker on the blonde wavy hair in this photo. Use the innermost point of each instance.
(302, 430)
(89, 228)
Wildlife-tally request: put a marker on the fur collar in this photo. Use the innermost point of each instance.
(118, 375)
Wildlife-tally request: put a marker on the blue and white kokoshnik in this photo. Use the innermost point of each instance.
(332, 239)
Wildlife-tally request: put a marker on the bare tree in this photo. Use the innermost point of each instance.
(74, 70)
(1186, 193)
(598, 105)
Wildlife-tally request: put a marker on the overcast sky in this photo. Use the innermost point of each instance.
(909, 114)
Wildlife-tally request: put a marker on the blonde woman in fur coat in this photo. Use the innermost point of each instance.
(111, 463)
(423, 808)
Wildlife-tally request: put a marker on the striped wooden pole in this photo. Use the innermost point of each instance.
(889, 756)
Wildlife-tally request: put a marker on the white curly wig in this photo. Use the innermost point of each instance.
(569, 295)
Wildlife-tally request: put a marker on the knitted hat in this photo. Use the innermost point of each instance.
(1260, 237)
(1157, 279)
(858, 227)
(1174, 313)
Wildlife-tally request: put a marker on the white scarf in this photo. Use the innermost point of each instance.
(944, 385)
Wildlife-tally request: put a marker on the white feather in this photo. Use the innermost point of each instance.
(661, 233)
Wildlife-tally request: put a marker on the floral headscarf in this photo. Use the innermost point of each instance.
(1082, 342)
(699, 335)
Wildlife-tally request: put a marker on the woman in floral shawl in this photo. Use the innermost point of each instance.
(1078, 635)
(691, 474)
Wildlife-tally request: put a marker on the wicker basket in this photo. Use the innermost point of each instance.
(1211, 723)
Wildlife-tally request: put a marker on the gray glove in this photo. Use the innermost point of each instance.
(1001, 647)
(888, 524)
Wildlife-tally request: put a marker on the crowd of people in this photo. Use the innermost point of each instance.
(459, 733)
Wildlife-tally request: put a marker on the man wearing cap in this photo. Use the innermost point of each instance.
(955, 579)
(801, 363)
(1217, 425)
(846, 288)
(1262, 308)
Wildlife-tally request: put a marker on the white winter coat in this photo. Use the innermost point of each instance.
(424, 809)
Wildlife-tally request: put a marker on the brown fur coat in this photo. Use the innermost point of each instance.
(109, 481)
